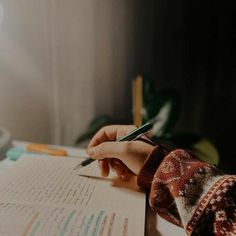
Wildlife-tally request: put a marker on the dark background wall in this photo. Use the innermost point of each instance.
(189, 46)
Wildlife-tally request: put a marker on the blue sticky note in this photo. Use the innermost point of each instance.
(15, 153)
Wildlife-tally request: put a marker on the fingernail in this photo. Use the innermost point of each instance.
(123, 177)
(91, 151)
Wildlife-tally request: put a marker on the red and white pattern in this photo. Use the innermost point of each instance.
(211, 202)
(193, 194)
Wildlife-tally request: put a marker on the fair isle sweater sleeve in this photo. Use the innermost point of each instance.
(190, 193)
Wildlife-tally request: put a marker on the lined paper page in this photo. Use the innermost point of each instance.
(45, 196)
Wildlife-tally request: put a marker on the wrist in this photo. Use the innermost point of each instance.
(151, 164)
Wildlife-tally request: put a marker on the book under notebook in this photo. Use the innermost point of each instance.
(45, 196)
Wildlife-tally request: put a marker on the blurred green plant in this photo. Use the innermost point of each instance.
(165, 104)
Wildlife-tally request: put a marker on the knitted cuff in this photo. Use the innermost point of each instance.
(150, 166)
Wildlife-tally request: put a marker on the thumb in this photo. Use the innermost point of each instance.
(107, 149)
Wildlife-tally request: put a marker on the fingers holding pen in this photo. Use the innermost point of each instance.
(127, 156)
(104, 167)
(120, 169)
(106, 149)
(116, 166)
(130, 153)
(110, 133)
(102, 152)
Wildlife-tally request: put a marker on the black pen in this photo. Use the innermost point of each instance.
(133, 135)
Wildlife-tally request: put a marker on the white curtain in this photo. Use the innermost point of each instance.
(92, 62)
(25, 77)
(73, 60)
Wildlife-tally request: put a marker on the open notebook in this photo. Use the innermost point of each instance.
(45, 196)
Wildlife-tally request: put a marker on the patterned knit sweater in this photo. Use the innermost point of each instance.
(190, 193)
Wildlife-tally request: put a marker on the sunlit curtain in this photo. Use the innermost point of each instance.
(92, 62)
(62, 63)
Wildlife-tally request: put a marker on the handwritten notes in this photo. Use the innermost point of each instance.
(45, 196)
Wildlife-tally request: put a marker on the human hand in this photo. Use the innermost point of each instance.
(124, 158)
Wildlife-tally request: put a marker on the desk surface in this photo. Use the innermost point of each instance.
(155, 225)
